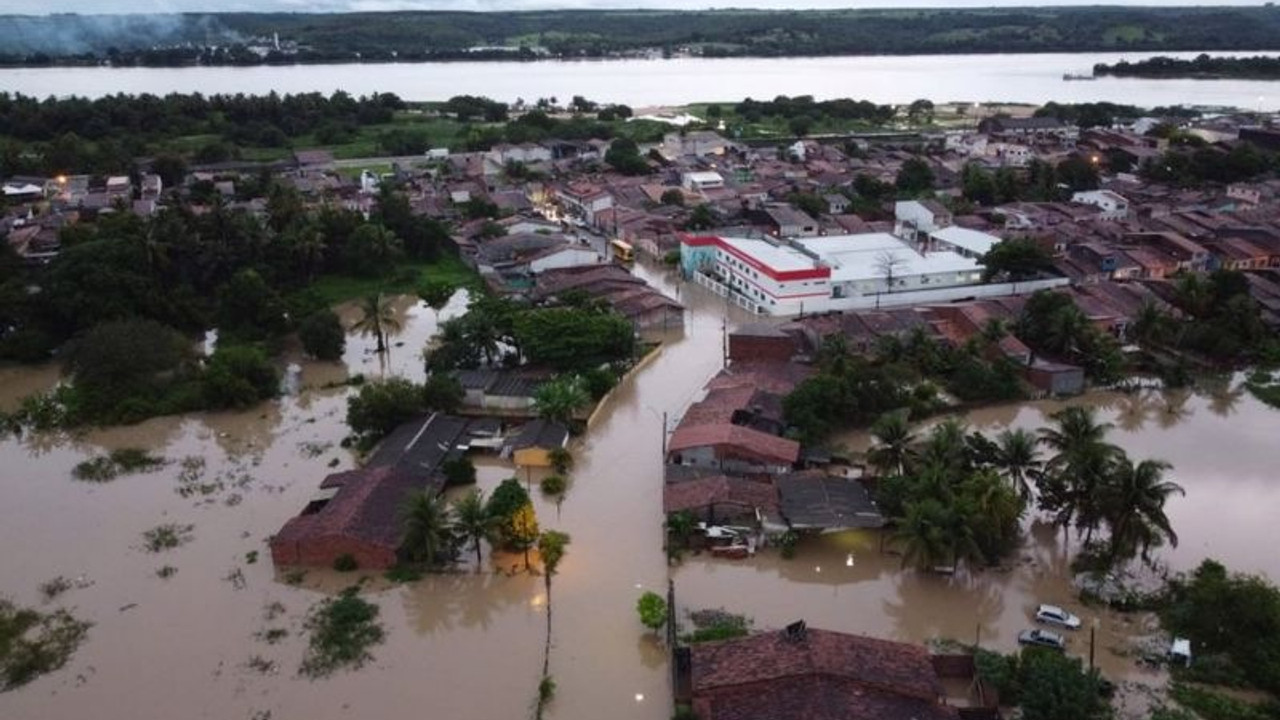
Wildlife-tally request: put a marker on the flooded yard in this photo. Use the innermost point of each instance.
(469, 644)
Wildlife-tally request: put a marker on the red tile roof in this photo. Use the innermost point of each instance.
(822, 675)
(742, 441)
(719, 490)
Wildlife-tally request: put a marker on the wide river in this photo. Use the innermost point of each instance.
(467, 646)
(882, 79)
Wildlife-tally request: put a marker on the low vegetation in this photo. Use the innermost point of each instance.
(342, 630)
(166, 537)
(34, 643)
(712, 625)
(123, 461)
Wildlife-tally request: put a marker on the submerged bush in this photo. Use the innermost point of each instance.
(342, 628)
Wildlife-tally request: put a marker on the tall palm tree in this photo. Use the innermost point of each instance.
(1080, 464)
(1150, 326)
(1133, 501)
(473, 522)
(377, 318)
(1018, 460)
(924, 535)
(946, 447)
(894, 449)
(427, 527)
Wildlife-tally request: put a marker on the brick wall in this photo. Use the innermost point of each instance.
(322, 551)
(750, 348)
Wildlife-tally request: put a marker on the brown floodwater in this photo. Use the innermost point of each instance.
(469, 644)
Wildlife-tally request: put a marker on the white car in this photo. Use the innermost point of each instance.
(1042, 638)
(1054, 615)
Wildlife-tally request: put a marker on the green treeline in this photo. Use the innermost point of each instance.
(416, 36)
(1258, 67)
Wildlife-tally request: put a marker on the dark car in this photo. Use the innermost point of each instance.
(1042, 638)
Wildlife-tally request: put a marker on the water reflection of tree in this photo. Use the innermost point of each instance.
(1175, 408)
(440, 603)
(1223, 392)
(929, 605)
(1134, 409)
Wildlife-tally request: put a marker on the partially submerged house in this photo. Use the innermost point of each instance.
(810, 674)
(357, 512)
(533, 444)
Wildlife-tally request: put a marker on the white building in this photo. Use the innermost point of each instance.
(699, 181)
(835, 272)
(698, 144)
(583, 201)
(526, 153)
(1011, 155)
(1112, 205)
(913, 218)
(963, 241)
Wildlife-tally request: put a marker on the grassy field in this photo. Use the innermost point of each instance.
(335, 289)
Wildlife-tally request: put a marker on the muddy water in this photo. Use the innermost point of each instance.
(468, 645)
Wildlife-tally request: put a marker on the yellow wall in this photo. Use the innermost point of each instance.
(532, 457)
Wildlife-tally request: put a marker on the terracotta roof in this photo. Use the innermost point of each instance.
(743, 440)
(719, 490)
(366, 507)
(821, 675)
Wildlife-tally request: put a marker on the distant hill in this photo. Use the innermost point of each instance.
(443, 35)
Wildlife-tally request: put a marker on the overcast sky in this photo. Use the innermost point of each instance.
(122, 6)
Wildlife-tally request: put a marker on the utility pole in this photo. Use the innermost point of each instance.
(1092, 629)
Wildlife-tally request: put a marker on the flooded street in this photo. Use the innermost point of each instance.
(468, 645)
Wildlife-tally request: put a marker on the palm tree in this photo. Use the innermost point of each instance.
(893, 452)
(1080, 463)
(551, 546)
(1017, 460)
(427, 527)
(473, 522)
(1150, 326)
(1133, 500)
(377, 318)
(924, 535)
(934, 535)
(560, 399)
(946, 447)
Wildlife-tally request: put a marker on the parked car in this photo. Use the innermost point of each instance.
(1042, 638)
(1054, 615)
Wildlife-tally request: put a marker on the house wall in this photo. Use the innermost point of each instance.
(566, 258)
(532, 457)
(746, 348)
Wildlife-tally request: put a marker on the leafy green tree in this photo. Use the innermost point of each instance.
(371, 250)
(672, 197)
(382, 406)
(652, 610)
(249, 310)
(561, 460)
(977, 185)
(624, 156)
(171, 168)
(377, 318)
(1015, 259)
(702, 218)
(572, 339)
(120, 361)
(1056, 687)
(458, 471)
(239, 376)
(322, 335)
(473, 522)
(505, 501)
(436, 294)
(442, 393)
(427, 528)
(915, 177)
